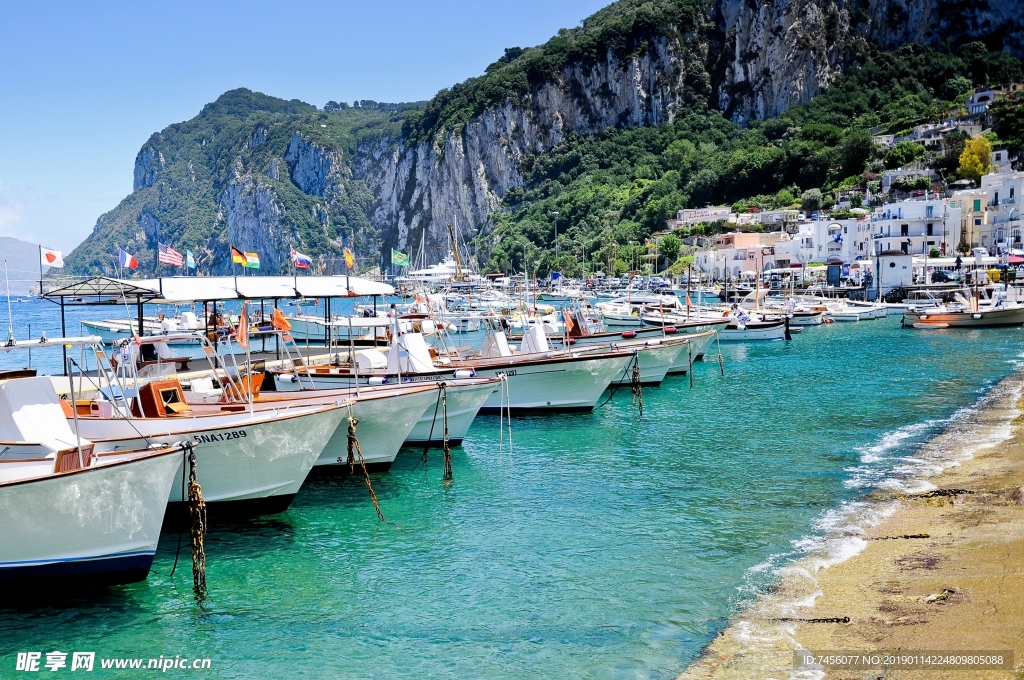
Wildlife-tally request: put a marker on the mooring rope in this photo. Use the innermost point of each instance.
(721, 363)
(504, 400)
(638, 390)
(447, 475)
(430, 437)
(689, 350)
(617, 381)
(197, 511)
(355, 451)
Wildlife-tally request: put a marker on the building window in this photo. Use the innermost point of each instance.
(930, 229)
(977, 205)
(904, 229)
(929, 210)
(977, 221)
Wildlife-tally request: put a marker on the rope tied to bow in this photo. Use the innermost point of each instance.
(638, 390)
(447, 474)
(197, 513)
(355, 452)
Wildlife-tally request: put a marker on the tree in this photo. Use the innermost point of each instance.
(811, 200)
(902, 154)
(669, 246)
(976, 160)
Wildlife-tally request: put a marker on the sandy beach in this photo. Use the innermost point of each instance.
(937, 566)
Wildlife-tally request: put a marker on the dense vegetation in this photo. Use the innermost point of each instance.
(625, 27)
(605, 194)
(241, 133)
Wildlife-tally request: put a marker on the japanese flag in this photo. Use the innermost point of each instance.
(51, 258)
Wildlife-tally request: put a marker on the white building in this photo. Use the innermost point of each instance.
(915, 227)
(1003, 191)
(689, 217)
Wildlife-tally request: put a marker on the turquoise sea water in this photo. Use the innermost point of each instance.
(603, 546)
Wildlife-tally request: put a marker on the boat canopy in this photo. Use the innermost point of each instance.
(216, 288)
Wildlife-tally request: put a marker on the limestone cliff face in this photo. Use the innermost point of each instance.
(420, 188)
(148, 164)
(760, 58)
(316, 170)
(253, 217)
(776, 54)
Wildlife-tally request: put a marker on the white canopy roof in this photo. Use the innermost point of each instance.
(212, 288)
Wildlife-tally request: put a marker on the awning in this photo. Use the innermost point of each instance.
(340, 286)
(1016, 259)
(103, 286)
(195, 288)
(184, 289)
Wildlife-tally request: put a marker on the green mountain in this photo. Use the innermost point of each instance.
(608, 128)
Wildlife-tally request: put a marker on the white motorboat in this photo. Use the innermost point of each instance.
(113, 331)
(67, 512)
(753, 330)
(252, 458)
(464, 397)
(539, 379)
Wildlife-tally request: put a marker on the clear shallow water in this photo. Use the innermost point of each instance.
(602, 547)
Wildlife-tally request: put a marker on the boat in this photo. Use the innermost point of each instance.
(68, 512)
(955, 317)
(464, 398)
(753, 330)
(538, 378)
(113, 331)
(252, 458)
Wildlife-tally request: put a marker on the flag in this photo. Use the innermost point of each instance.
(349, 259)
(401, 259)
(242, 332)
(280, 323)
(190, 260)
(51, 258)
(569, 323)
(300, 261)
(127, 261)
(168, 255)
(252, 260)
(237, 256)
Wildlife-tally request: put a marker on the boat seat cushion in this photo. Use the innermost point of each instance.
(31, 412)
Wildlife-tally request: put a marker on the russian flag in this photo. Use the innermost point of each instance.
(128, 261)
(301, 261)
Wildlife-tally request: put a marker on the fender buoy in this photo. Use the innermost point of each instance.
(629, 334)
(572, 341)
(669, 330)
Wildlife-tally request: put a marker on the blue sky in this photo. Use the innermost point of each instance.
(83, 85)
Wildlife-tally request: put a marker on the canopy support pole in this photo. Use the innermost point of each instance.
(63, 334)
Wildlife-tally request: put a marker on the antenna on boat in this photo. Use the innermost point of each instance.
(10, 317)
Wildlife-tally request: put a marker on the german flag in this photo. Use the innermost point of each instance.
(238, 257)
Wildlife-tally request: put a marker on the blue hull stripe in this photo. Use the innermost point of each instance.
(114, 570)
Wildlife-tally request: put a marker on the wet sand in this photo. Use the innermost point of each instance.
(941, 569)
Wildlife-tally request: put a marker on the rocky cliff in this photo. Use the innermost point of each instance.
(755, 59)
(269, 175)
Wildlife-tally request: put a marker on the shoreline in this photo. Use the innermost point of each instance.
(931, 559)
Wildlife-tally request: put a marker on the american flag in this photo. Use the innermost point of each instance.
(169, 255)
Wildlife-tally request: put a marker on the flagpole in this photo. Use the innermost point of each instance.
(40, 271)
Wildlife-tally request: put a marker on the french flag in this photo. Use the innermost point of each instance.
(128, 261)
(301, 261)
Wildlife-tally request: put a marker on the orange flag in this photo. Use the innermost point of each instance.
(242, 332)
(281, 323)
